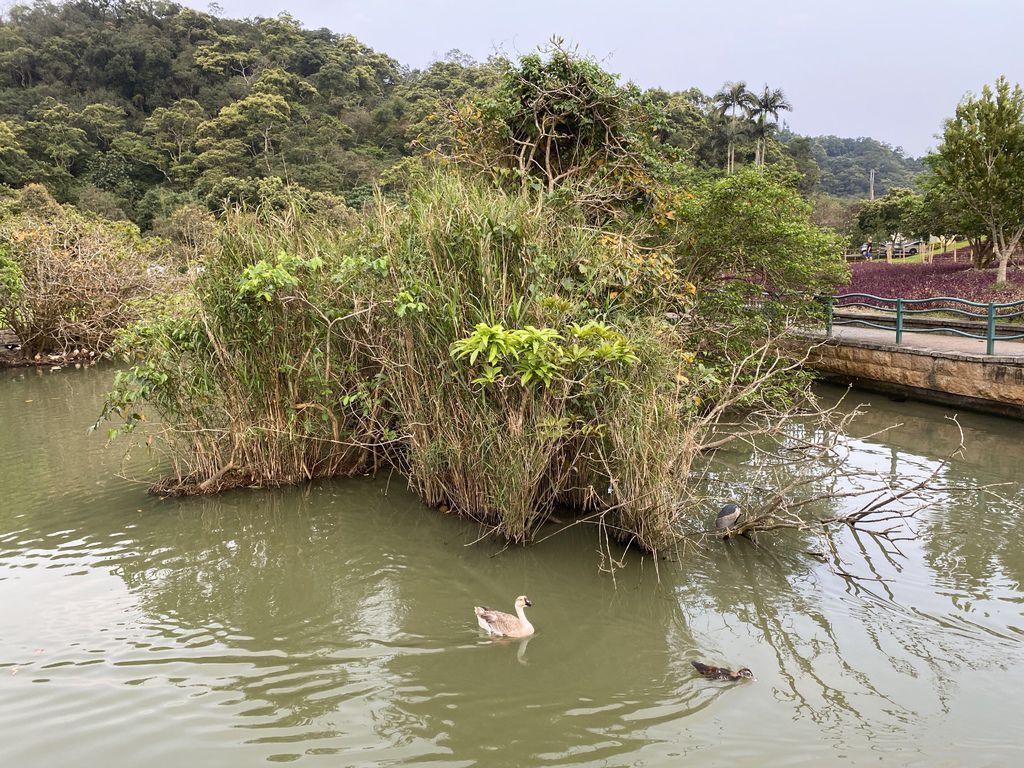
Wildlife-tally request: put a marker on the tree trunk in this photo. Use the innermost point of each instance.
(1004, 257)
(1005, 249)
(982, 254)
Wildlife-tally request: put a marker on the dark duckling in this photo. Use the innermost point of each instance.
(720, 673)
(727, 518)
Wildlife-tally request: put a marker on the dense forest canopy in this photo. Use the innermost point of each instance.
(133, 109)
(846, 165)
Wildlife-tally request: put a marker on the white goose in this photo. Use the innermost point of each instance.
(505, 624)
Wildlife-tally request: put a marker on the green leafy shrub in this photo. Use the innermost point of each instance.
(512, 335)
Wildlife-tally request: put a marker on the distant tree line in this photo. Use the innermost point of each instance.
(153, 112)
(134, 109)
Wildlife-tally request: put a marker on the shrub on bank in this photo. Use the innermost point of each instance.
(70, 280)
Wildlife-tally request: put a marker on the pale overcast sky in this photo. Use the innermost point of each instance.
(891, 69)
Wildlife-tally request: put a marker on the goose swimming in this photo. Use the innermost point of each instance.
(505, 624)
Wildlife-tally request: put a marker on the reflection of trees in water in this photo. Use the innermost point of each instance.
(967, 534)
(779, 600)
(591, 688)
(974, 543)
(970, 538)
(850, 651)
(809, 473)
(44, 443)
(262, 582)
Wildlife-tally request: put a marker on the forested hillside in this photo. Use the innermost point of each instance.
(134, 109)
(846, 165)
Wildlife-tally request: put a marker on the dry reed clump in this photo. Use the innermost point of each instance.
(566, 394)
(69, 282)
(243, 369)
(488, 345)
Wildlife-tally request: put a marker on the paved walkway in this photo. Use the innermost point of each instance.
(935, 343)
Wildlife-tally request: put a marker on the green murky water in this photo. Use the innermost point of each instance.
(332, 624)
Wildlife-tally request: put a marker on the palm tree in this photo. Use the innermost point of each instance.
(732, 98)
(767, 105)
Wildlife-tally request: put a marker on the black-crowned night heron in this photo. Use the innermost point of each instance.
(727, 517)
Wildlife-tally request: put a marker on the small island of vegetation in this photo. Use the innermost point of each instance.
(524, 284)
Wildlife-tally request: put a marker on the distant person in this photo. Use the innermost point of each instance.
(868, 246)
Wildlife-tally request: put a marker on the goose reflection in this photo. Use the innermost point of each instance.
(520, 644)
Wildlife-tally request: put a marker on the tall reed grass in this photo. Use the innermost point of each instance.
(491, 345)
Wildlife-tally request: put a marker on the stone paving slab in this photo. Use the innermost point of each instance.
(929, 342)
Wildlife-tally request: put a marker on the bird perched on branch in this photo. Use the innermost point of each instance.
(504, 624)
(727, 519)
(721, 673)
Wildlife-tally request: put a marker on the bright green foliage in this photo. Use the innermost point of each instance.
(980, 165)
(758, 229)
(537, 354)
(896, 212)
(265, 279)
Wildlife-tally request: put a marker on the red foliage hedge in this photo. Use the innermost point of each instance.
(941, 278)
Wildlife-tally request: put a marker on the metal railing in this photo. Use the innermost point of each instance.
(905, 309)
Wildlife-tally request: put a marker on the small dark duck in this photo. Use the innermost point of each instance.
(721, 673)
(727, 518)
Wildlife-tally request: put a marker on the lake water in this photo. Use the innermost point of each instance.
(333, 625)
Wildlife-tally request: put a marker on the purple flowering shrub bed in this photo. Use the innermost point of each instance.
(941, 278)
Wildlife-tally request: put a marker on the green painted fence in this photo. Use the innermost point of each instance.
(903, 309)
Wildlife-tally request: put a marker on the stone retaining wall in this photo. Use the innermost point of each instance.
(981, 382)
